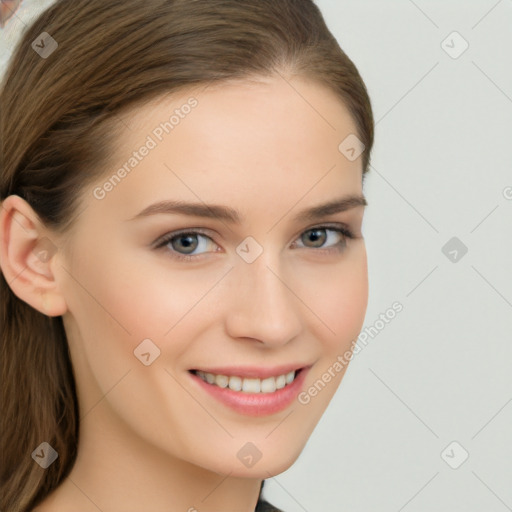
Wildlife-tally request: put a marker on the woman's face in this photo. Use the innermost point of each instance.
(268, 292)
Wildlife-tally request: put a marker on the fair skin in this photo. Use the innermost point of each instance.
(150, 438)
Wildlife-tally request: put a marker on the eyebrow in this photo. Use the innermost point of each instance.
(215, 211)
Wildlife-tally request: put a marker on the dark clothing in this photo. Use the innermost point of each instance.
(265, 506)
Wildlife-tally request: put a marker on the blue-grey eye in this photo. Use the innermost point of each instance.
(187, 243)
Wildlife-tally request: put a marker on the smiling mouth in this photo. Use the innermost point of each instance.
(248, 385)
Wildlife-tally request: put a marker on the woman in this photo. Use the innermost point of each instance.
(138, 374)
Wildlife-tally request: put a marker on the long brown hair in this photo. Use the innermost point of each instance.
(58, 119)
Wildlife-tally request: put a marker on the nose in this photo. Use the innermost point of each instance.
(262, 304)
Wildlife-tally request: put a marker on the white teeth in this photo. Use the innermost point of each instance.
(268, 385)
(251, 385)
(235, 383)
(281, 381)
(222, 381)
(246, 385)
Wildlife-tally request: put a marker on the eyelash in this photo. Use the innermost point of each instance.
(163, 241)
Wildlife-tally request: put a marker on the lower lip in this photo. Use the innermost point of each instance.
(255, 404)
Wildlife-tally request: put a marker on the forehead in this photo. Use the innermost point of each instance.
(249, 144)
(245, 115)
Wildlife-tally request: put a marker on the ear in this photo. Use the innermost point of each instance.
(28, 257)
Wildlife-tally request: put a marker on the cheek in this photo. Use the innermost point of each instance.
(339, 297)
(340, 301)
(159, 302)
(111, 312)
(138, 298)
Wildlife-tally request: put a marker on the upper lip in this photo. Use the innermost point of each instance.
(254, 372)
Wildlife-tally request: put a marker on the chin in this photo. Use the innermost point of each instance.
(280, 465)
(271, 463)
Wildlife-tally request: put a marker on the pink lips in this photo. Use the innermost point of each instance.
(254, 404)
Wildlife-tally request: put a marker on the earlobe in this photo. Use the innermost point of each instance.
(28, 256)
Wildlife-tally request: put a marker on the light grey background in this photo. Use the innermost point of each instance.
(440, 371)
(27, 11)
